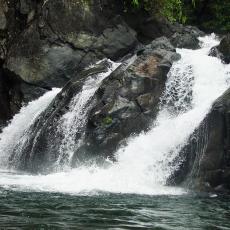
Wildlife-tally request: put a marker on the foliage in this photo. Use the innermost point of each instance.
(210, 15)
(171, 9)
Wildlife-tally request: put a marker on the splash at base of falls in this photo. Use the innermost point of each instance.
(143, 166)
(82, 181)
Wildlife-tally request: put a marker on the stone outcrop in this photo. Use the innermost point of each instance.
(186, 36)
(66, 37)
(126, 103)
(206, 157)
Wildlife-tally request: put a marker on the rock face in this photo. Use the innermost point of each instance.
(222, 51)
(123, 105)
(44, 43)
(67, 37)
(207, 156)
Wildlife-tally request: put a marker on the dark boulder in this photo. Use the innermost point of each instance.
(148, 27)
(186, 36)
(187, 41)
(151, 27)
(192, 30)
(222, 51)
(124, 104)
(206, 157)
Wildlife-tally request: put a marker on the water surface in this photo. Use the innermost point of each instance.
(39, 210)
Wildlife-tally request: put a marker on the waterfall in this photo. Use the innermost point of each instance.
(76, 117)
(144, 164)
(18, 128)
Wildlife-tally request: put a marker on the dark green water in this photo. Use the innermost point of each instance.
(31, 210)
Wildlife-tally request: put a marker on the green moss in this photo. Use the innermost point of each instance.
(107, 120)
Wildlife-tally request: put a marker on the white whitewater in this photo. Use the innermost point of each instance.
(76, 117)
(18, 128)
(143, 166)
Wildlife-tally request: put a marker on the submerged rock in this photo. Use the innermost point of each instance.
(222, 51)
(124, 104)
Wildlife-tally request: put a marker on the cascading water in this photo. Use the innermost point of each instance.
(76, 117)
(143, 165)
(18, 129)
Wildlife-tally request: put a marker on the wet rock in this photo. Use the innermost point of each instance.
(146, 101)
(207, 154)
(129, 96)
(188, 41)
(222, 51)
(192, 30)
